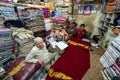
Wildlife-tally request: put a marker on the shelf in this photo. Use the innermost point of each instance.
(35, 25)
(6, 4)
(6, 59)
(112, 52)
(102, 20)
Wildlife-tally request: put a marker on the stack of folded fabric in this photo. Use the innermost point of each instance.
(6, 43)
(24, 38)
(33, 18)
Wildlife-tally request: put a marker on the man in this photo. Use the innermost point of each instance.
(39, 53)
(60, 34)
(81, 32)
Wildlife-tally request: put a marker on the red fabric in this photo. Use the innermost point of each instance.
(80, 33)
(26, 72)
(71, 24)
(74, 62)
(14, 63)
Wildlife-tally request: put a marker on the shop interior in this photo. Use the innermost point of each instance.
(59, 40)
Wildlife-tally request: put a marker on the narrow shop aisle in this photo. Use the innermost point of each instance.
(94, 72)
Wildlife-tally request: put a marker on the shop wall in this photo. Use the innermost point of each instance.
(91, 21)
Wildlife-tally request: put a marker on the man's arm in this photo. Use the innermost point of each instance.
(30, 58)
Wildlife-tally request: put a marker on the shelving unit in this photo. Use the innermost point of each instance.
(107, 19)
(106, 26)
(110, 60)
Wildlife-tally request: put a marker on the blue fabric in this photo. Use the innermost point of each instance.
(53, 14)
(59, 13)
(16, 23)
(5, 35)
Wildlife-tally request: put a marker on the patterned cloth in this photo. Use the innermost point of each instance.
(6, 43)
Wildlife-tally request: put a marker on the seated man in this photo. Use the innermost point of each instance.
(81, 32)
(60, 34)
(39, 53)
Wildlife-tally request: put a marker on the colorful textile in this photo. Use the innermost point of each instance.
(17, 69)
(6, 43)
(60, 19)
(6, 53)
(5, 31)
(78, 44)
(58, 75)
(22, 71)
(73, 63)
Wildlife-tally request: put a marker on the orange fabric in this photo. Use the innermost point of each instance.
(116, 31)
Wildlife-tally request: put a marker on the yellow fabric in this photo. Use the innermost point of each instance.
(78, 44)
(50, 5)
(16, 69)
(59, 75)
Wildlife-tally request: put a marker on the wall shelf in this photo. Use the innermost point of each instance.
(107, 22)
(110, 60)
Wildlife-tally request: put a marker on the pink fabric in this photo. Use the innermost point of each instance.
(60, 19)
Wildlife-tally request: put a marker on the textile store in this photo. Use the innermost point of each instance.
(59, 39)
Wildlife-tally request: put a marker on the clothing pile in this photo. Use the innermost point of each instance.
(23, 37)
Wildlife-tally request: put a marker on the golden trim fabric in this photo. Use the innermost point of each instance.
(78, 44)
(58, 75)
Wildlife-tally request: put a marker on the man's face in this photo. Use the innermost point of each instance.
(81, 27)
(40, 44)
(60, 28)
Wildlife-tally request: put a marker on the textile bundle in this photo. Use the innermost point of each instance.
(6, 43)
(74, 62)
(26, 34)
(23, 39)
(20, 70)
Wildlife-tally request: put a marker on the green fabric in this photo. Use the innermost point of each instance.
(116, 78)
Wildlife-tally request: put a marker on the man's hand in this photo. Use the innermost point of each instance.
(40, 61)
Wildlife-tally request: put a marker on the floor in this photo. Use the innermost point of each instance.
(94, 72)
